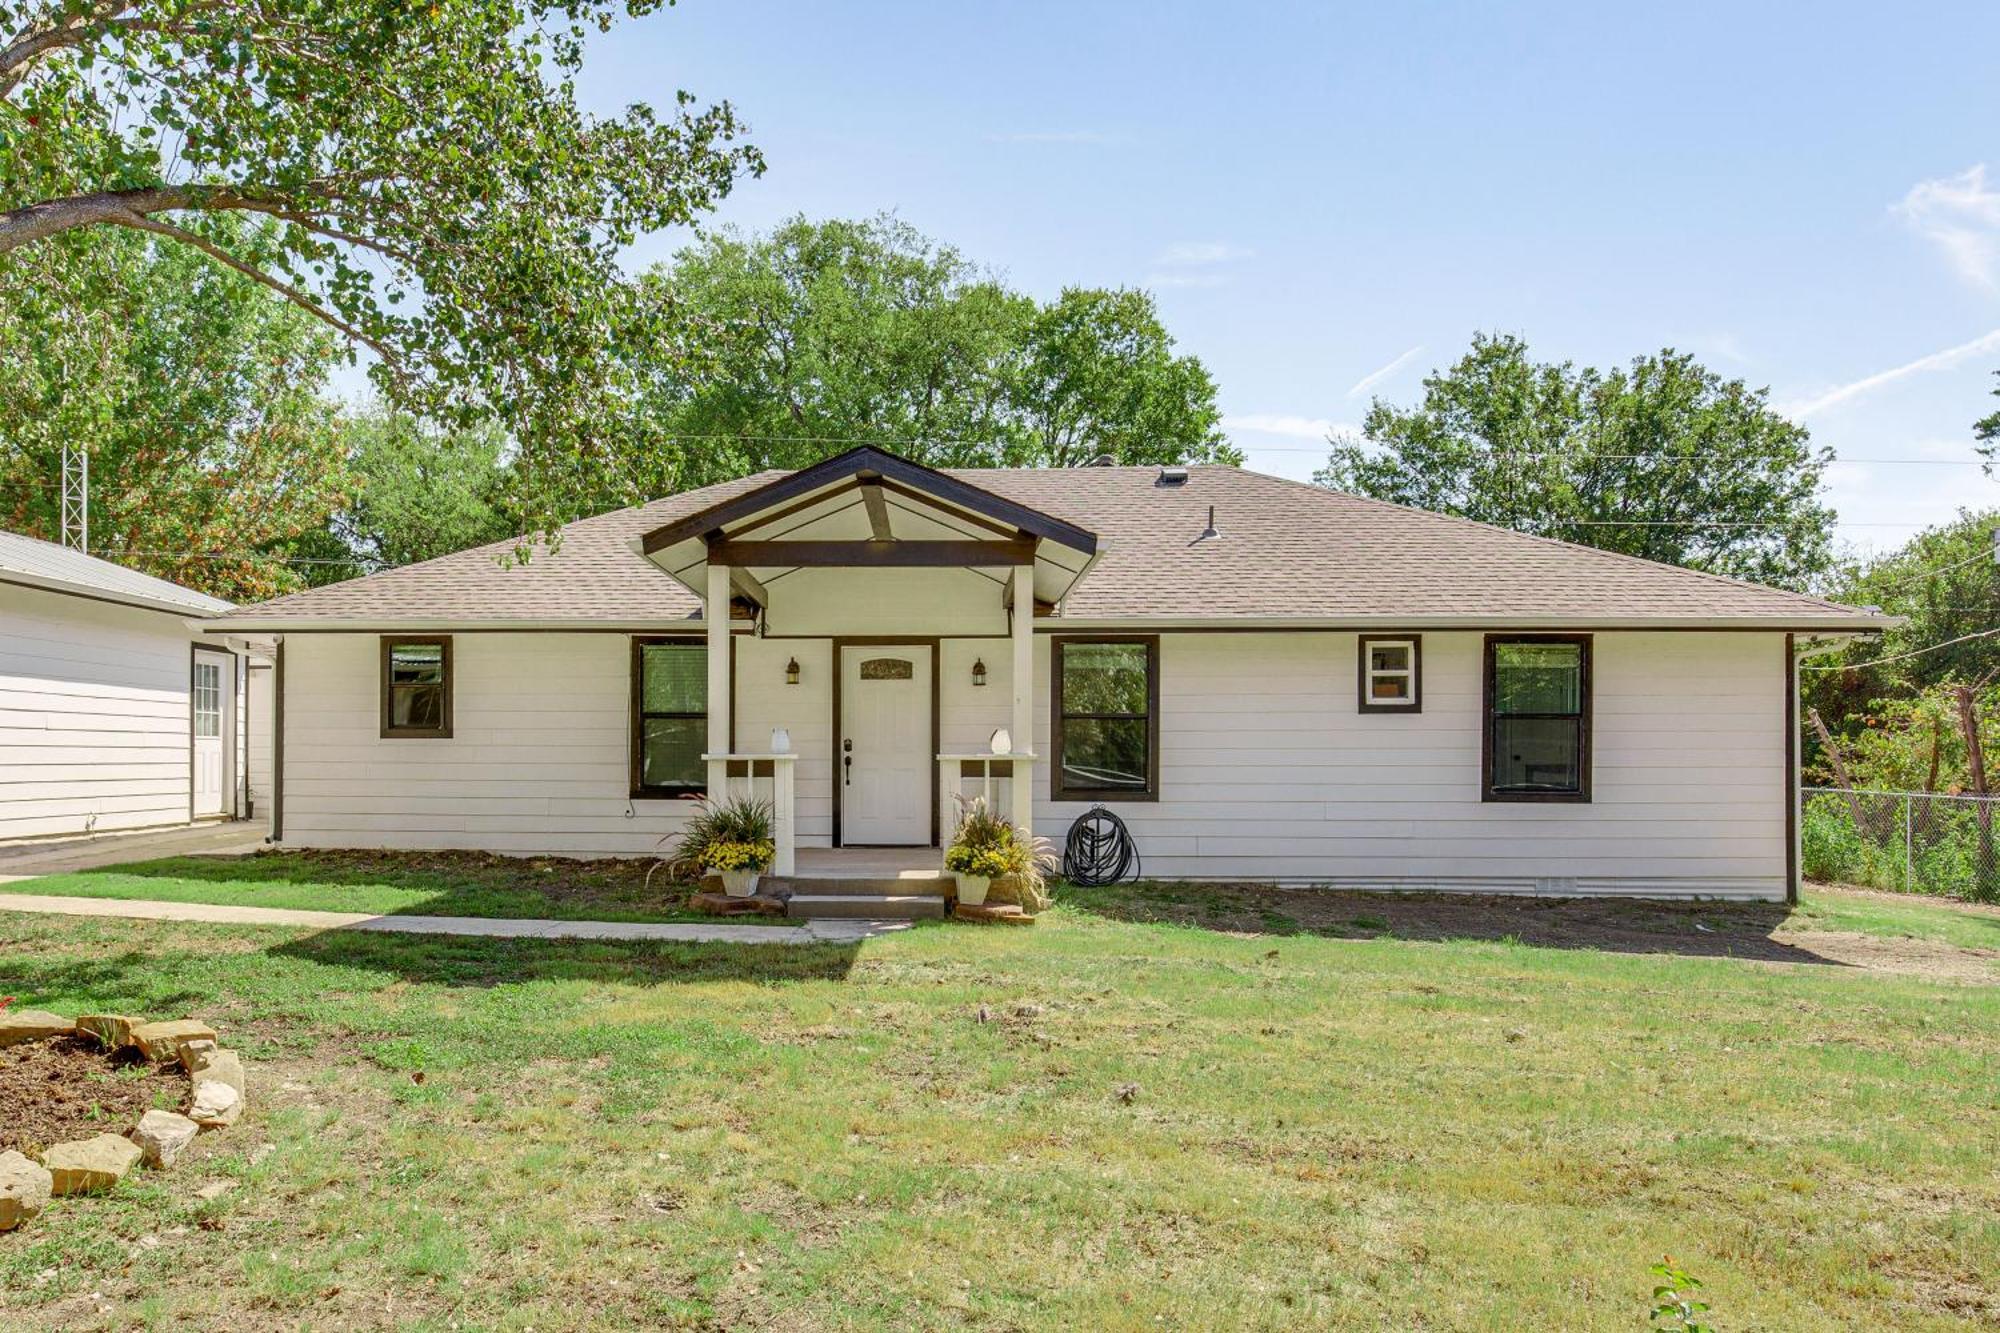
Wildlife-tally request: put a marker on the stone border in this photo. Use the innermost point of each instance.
(93, 1165)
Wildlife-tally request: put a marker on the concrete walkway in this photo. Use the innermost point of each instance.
(57, 856)
(689, 932)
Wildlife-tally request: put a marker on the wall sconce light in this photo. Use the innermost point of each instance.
(979, 671)
(792, 672)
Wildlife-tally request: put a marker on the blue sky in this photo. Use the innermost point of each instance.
(1330, 200)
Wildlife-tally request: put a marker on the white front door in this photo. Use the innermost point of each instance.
(886, 748)
(211, 728)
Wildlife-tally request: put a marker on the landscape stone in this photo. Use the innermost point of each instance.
(220, 1065)
(86, 1166)
(162, 1136)
(215, 1104)
(163, 1040)
(24, 1189)
(19, 1025)
(113, 1031)
(192, 1049)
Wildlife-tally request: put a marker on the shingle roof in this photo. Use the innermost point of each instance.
(1285, 551)
(44, 564)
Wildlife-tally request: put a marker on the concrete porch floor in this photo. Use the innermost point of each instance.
(869, 862)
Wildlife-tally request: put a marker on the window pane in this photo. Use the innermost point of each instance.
(1388, 657)
(888, 668)
(670, 752)
(676, 679)
(1388, 689)
(416, 664)
(1104, 678)
(419, 707)
(1537, 678)
(1536, 754)
(1104, 752)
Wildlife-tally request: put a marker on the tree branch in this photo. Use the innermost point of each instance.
(251, 271)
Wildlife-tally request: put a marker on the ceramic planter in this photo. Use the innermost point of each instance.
(739, 883)
(972, 888)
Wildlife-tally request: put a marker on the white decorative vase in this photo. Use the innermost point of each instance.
(972, 888)
(781, 741)
(739, 883)
(1000, 742)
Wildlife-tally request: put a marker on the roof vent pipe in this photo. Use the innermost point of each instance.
(1209, 533)
(1172, 476)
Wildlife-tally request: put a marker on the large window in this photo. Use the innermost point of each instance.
(1107, 719)
(416, 687)
(669, 717)
(1537, 717)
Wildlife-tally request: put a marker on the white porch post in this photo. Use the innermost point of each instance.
(715, 622)
(1023, 677)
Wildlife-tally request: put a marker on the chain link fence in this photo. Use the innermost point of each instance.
(1907, 841)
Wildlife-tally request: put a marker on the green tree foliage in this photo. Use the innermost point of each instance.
(1987, 430)
(197, 393)
(1664, 460)
(437, 194)
(1945, 581)
(422, 491)
(823, 333)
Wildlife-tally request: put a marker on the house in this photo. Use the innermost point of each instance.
(1266, 681)
(115, 714)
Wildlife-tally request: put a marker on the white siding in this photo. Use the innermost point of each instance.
(1269, 771)
(93, 716)
(262, 722)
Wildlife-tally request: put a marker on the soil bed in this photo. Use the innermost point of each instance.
(53, 1091)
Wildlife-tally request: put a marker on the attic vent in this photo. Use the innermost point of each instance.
(1172, 476)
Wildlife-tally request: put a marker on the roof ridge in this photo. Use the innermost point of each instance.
(1598, 552)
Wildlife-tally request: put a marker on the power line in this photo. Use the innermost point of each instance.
(1898, 657)
(1923, 574)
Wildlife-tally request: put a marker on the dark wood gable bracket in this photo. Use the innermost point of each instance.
(875, 469)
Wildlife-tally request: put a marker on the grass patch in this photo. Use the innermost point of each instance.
(1098, 1122)
(391, 884)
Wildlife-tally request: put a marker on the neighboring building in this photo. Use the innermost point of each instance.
(1266, 680)
(115, 714)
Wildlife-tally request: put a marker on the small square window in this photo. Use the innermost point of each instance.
(1391, 675)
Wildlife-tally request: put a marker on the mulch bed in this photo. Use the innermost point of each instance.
(54, 1091)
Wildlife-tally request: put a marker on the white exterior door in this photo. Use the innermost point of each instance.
(886, 748)
(212, 708)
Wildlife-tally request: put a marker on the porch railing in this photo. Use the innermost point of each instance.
(767, 778)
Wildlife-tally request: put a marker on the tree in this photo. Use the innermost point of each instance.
(196, 393)
(437, 195)
(421, 491)
(820, 334)
(1945, 583)
(1987, 431)
(1664, 460)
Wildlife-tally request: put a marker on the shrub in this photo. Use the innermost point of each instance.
(714, 825)
(985, 844)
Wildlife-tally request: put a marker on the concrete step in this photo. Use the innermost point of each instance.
(868, 906)
(815, 886)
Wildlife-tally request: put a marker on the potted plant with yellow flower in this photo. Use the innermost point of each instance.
(984, 848)
(731, 839)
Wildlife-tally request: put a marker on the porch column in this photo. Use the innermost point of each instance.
(1023, 676)
(715, 621)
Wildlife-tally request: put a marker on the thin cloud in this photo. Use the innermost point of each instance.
(1945, 360)
(1369, 381)
(1961, 216)
(1195, 253)
(1292, 427)
(1054, 136)
(1183, 279)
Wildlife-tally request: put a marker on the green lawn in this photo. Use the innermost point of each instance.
(431, 884)
(1157, 1125)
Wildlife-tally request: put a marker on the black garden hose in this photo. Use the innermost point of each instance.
(1099, 850)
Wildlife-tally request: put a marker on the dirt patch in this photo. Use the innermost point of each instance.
(1754, 931)
(54, 1091)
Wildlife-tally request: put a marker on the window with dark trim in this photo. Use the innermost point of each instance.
(1391, 673)
(669, 717)
(1105, 719)
(1537, 742)
(416, 686)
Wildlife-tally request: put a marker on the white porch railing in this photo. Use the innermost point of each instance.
(1019, 777)
(761, 777)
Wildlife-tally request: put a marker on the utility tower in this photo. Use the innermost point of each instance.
(76, 499)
